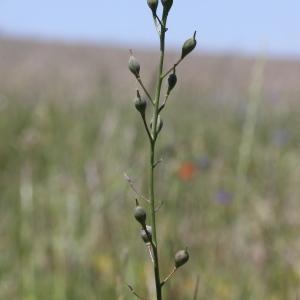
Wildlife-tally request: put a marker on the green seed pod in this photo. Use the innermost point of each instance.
(140, 103)
(181, 257)
(153, 5)
(140, 214)
(188, 46)
(167, 4)
(144, 235)
(134, 65)
(172, 80)
(159, 124)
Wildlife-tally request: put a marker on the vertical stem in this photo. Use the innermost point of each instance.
(152, 159)
(153, 221)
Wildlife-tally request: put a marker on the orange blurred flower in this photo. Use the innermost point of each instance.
(187, 171)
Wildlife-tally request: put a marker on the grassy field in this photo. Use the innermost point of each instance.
(229, 182)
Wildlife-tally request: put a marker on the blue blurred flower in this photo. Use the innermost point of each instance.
(203, 162)
(223, 197)
(281, 137)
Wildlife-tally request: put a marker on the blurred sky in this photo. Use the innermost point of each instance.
(268, 26)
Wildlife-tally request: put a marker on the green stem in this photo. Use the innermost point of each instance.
(138, 78)
(168, 277)
(146, 127)
(152, 160)
(154, 239)
(172, 68)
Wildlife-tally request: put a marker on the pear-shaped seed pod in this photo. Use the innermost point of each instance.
(188, 46)
(159, 124)
(140, 214)
(181, 257)
(172, 80)
(140, 103)
(153, 5)
(134, 65)
(146, 236)
(167, 4)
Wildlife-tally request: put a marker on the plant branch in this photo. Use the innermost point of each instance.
(146, 127)
(172, 68)
(155, 17)
(131, 184)
(138, 78)
(168, 277)
(161, 24)
(155, 23)
(164, 103)
(134, 292)
(149, 237)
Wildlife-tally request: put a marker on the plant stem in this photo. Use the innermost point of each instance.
(168, 277)
(134, 292)
(138, 78)
(152, 160)
(172, 68)
(154, 239)
(146, 128)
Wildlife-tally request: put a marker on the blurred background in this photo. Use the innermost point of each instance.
(230, 147)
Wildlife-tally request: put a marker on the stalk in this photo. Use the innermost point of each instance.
(150, 238)
(152, 159)
(153, 223)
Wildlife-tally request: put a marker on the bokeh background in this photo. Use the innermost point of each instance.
(230, 147)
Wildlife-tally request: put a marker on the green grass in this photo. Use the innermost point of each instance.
(65, 225)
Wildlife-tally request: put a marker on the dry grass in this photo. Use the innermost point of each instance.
(64, 204)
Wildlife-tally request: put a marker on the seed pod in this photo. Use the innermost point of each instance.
(181, 257)
(140, 215)
(153, 5)
(159, 124)
(134, 65)
(140, 103)
(172, 80)
(167, 4)
(188, 46)
(144, 235)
